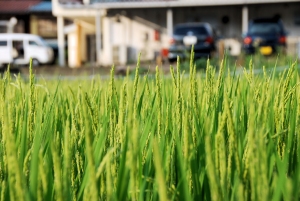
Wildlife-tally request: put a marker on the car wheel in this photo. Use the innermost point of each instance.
(35, 63)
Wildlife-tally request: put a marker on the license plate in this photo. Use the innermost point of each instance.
(189, 40)
(266, 50)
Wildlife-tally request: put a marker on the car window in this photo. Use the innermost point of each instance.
(42, 42)
(33, 43)
(3, 43)
(182, 31)
(265, 28)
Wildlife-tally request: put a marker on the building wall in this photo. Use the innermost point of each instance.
(44, 25)
(124, 38)
(213, 15)
(84, 32)
(289, 13)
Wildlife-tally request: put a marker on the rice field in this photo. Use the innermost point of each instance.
(181, 137)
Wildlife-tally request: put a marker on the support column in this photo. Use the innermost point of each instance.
(34, 25)
(245, 19)
(98, 36)
(87, 2)
(61, 41)
(170, 22)
(123, 47)
(78, 34)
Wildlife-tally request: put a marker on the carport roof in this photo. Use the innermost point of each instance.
(110, 4)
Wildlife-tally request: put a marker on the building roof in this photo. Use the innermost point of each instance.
(45, 6)
(17, 6)
(166, 3)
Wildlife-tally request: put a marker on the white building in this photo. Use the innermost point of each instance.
(115, 31)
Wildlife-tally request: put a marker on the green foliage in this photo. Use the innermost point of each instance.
(222, 136)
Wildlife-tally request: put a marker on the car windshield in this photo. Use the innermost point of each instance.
(182, 31)
(265, 28)
(42, 41)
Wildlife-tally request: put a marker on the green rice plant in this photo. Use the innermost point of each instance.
(222, 135)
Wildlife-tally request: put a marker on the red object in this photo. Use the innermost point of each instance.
(156, 35)
(247, 40)
(164, 52)
(209, 40)
(282, 39)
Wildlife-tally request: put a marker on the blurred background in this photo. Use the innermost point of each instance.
(105, 32)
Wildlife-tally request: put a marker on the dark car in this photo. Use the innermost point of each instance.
(267, 36)
(185, 35)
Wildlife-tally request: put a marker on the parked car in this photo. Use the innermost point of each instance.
(20, 48)
(54, 45)
(266, 35)
(185, 35)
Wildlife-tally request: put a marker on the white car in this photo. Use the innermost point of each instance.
(18, 49)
